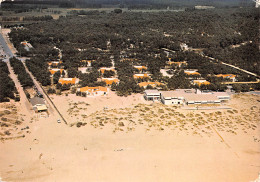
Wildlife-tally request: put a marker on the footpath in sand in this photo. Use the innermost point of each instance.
(134, 140)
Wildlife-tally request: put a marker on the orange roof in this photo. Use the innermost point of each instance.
(53, 71)
(54, 63)
(71, 81)
(110, 81)
(153, 84)
(191, 73)
(106, 69)
(177, 63)
(226, 75)
(201, 82)
(89, 61)
(141, 67)
(140, 76)
(93, 89)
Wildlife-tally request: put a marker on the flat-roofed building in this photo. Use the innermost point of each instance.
(222, 96)
(94, 91)
(152, 95)
(172, 97)
(201, 99)
(38, 104)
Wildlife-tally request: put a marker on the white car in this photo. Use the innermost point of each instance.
(58, 121)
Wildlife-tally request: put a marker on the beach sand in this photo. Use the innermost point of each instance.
(134, 140)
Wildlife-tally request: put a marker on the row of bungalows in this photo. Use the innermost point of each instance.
(110, 81)
(54, 63)
(141, 76)
(54, 70)
(200, 82)
(192, 72)
(94, 91)
(186, 96)
(71, 81)
(179, 64)
(152, 84)
(103, 69)
(141, 68)
(232, 77)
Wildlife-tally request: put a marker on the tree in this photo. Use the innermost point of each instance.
(237, 88)
(108, 73)
(113, 86)
(56, 77)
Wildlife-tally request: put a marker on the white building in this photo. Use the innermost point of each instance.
(201, 99)
(152, 95)
(172, 97)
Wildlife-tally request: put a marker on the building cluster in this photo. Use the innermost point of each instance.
(192, 74)
(109, 76)
(186, 97)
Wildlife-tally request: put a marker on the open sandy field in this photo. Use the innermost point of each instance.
(131, 141)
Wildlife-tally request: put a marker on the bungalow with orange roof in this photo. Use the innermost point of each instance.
(153, 84)
(200, 82)
(88, 62)
(228, 76)
(103, 69)
(192, 72)
(110, 81)
(136, 76)
(94, 91)
(179, 64)
(72, 81)
(54, 70)
(141, 68)
(54, 63)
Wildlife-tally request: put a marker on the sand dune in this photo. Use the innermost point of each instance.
(49, 152)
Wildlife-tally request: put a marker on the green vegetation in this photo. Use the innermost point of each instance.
(7, 87)
(101, 35)
(38, 67)
(19, 69)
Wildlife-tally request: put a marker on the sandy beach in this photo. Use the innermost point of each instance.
(132, 140)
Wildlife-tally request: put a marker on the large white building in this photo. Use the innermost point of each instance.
(186, 96)
(152, 95)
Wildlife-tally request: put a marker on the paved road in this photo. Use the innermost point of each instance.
(7, 52)
(6, 49)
